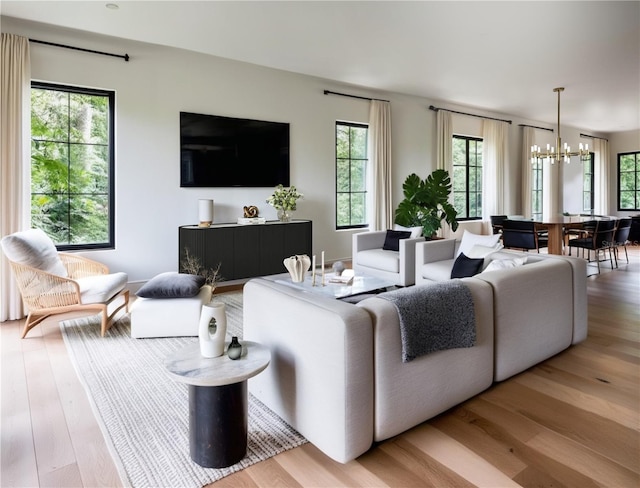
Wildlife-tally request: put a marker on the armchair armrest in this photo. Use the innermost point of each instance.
(41, 290)
(80, 267)
(433, 251)
(368, 240)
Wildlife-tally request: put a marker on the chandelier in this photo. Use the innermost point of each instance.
(558, 152)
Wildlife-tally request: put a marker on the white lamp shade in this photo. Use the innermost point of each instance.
(205, 212)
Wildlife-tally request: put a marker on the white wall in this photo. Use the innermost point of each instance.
(159, 82)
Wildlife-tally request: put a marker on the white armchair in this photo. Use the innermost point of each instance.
(370, 258)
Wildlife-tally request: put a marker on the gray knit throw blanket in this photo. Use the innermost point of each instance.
(434, 317)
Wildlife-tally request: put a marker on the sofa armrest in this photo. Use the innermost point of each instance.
(407, 249)
(320, 379)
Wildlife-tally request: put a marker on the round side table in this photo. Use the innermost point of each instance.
(217, 400)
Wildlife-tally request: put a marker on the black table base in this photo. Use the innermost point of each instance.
(218, 424)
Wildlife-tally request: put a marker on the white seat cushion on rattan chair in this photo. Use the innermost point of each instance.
(34, 248)
(100, 288)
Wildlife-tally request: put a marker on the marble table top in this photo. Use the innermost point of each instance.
(187, 365)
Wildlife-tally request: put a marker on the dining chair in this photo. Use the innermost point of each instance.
(599, 241)
(522, 234)
(496, 223)
(53, 282)
(621, 237)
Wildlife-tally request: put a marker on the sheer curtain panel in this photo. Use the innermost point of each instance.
(15, 181)
(601, 175)
(527, 170)
(380, 157)
(444, 155)
(495, 151)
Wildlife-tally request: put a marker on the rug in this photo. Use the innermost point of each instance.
(144, 414)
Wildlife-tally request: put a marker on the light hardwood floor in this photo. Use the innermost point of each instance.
(573, 420)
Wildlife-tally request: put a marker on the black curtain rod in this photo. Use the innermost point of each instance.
(46, 43)
(327, 92)
(435, 109)
(593, 137)
(535, 127)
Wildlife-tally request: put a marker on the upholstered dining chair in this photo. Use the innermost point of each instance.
(522, 234)
(496, 223)
(599, 241)
(52, 283)
(621, 237)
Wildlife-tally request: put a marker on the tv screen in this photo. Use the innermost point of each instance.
(220, 151)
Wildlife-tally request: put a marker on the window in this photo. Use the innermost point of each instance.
(467, 177)
(351, 175)
(629, 181)
(72, 165)
(536, 189)
(588, 194)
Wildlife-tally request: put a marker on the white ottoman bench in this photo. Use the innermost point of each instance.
(174, 312)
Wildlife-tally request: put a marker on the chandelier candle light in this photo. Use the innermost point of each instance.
(554, 154)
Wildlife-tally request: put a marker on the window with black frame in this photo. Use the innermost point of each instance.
(72, 165)
(537, 172)
(351, 175)
(467, 177)
(588, 184)
(629, 181)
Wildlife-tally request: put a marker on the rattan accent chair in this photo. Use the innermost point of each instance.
(53, 283)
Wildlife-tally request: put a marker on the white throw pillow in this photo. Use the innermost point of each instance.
(505, 263)
(415, 231)
(470, 239)
(479, 251)
(34, 248)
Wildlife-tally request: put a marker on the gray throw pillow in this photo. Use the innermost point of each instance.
(172, 285)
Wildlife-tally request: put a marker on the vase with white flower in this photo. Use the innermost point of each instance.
(284, 200)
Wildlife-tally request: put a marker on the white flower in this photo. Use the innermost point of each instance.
(284, 198)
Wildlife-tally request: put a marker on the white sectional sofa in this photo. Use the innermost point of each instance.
(337, 375)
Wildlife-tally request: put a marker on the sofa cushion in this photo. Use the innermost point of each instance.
(469, 240)
(505, 263)
(172, 285)
(391, 240)
(463, 267)
(100, 288)
(380, 259)
(34, 248)
(438, 270)
(415, 231)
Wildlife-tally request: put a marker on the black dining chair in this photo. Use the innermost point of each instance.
(621, 237)
(599, 241)
(496, 223)
(522, 234)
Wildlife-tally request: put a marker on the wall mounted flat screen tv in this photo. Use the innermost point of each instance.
(220, 151)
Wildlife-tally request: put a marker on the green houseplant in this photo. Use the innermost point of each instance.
(426, 203)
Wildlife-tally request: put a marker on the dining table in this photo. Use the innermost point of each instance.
(556, 226)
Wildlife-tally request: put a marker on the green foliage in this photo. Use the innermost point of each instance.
(426, 203)
(70, 166)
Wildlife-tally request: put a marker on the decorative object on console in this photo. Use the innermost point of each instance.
(297, 266)
(251, 221)
(284, 200)
(235, 349)
(250, 211)
(426, 203)
(338, 268)
(190, 264)
(205, 213)
(212, 329)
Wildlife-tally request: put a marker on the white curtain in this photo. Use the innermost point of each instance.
(380, 157)
(495, 151)
(444, 158)
(601, 175)
(527, 170)
(15, 88)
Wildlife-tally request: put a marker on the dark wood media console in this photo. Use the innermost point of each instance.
(246, 251)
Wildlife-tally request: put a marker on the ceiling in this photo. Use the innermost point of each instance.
(504, 56)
